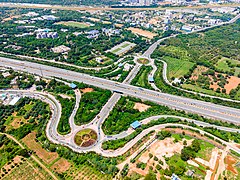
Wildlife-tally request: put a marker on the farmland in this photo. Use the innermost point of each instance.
(24, 168)
(31, 143)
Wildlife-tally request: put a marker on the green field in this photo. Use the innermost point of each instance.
(205, 151)
(176, 67)
(116, 50)
(125, 45)
(73, 24)
(199, 89)
(222, 64)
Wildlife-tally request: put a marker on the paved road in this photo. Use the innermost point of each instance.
(153, 47)
(66, 64)
(164, 74)
(130, 144)
(53, 136)
(206, 109)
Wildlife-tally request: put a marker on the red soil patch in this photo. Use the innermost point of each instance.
(215, 169)
(88, 143)
(46, 156)
(230, 161)
(233, 83)
(61, 165)
(86, 90)
(141, 107)
(198, 71)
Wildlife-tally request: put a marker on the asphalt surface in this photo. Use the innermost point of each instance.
(67, 140)
(206, 109)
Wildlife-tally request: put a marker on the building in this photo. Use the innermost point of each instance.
(136, 124)
(14, 101)
(187, 28)
(175, 177)
(73, 86)
(92, 34)
(49, 17)
(43, 35)
(31, 14)
(99, 59)
(150, 79)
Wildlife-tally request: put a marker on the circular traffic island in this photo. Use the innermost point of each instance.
(143, 60)
(85, 138)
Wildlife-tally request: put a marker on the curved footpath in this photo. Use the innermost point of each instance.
(55, 137)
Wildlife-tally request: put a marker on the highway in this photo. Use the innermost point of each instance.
(206, 109)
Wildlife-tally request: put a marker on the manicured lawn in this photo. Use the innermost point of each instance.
(176, 67)
(179, 137)
(125, 45)
(116, 50)
(85, 137)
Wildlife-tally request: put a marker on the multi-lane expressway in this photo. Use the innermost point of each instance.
(206, 109)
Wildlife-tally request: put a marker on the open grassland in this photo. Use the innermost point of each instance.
(74, 24)
(31, 143)
(176, 67)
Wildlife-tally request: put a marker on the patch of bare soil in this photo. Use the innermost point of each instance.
(65, 96)
(141, 107)
(230, 162)
(233, 83)
(142, 32)
(198, 71)
(86, 90)
(31, 143)
(61, 165)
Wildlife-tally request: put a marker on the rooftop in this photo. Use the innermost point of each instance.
(135, 124)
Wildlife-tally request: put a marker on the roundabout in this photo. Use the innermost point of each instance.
(85, 138)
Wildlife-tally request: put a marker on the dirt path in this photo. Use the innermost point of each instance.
(32, 156)
(221, 165)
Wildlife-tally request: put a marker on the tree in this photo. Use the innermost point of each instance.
(150, 176)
